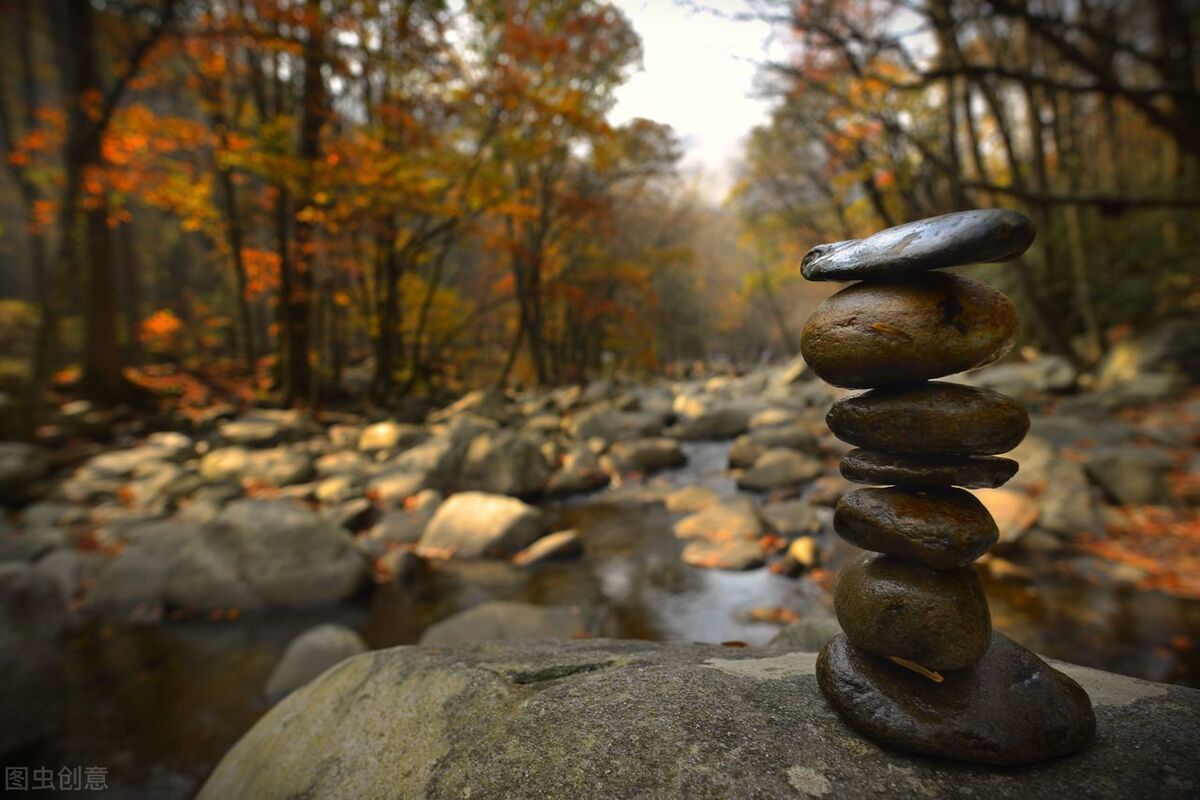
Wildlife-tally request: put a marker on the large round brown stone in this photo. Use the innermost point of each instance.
(1011, 708)
(891, 607)
(944, 528)
(895, 332)
(936, 418)
(895, 469)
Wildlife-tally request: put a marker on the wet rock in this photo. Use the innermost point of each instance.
(386, 436)
(278, 467)
(1014, 512)
(644, 455)
(355, 514)
(613, 425)
(310, 654)
(266, 427)
(792, 518)
(32, 618)
(479, 525)
(342, 462)
(131, 584)
(504, 462)
(774, 417)
(951, 240)
(405, 525)
(888, 333)
(749, 448)
(22, 465)
(1171, 347)
(1131, 475)
(580, 472)
(602, 719)
(553, 547)
(890, 607)
(719, 420)
(486, 403)
(931, 418)
(32, 544)
(827, 490)
(779, 469)
(690, 499)
(1010, 709)
(728, 520)
(337, 489)
(734, 555)
(807, 635)
(943, 528)
(505, 621)
(894, 469)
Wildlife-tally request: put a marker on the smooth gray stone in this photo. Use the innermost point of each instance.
(966, 237)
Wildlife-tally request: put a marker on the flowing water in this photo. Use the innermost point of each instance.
(157, 705)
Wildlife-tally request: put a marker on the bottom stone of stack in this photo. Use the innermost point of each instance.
(1011, 708)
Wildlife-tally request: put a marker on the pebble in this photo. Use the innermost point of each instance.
(936, 618)
(931, 418)
(897, 333)
(965, 237)
(944, 528)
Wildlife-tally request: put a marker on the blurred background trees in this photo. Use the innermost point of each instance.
(313, 199)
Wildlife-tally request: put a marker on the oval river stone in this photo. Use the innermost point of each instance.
(931, 418)
(894, 333)
(1011, 708)
(944, 528)
(892, 607)
(895, 469)
(965, 237)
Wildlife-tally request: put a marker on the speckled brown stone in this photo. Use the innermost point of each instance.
(894, 332)
(891, 607)
(1010, 709)
(931, 418)
(944, 528)
(964, 237)
(895, 469)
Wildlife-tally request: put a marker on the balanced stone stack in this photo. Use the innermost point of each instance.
(919, 667)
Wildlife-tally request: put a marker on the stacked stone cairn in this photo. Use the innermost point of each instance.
(918, 666)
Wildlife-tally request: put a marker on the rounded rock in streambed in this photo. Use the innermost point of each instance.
(897, 332)
(943, 528)
(891, 607)
(896, 469)
(1011, 708)
(964, 237)
(931, 418)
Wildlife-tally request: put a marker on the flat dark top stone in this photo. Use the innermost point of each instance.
(608, 719)
(965, 237)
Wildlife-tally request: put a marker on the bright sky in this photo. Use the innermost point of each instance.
(698, 77)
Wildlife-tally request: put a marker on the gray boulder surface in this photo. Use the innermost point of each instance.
(480, 525)
(310, 654)
(605, 719)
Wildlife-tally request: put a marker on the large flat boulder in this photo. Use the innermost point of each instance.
(603, 719)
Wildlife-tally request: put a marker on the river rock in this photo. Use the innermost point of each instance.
(894, 469)
(728, 520)
(1011, 708)
(792, 518)
(891, 607)
(22, 465)
(808, 635)
(1131, 475)
(504, 462)
(749, 447)
(894, 333)
(945, 528)
(555, 546)
(643, 455)
(690, 499)
(734, 555)
(480, 525)
(601, 719)
(931, 418)
(388, 435)
(965, 237)
(32, 618)
(1014, 513)
(779, 469)
(501, 620)
(310, 654)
